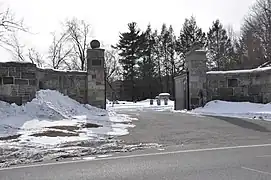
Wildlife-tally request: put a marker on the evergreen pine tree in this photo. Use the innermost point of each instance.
(190, 35)
(219, 47)
(172, 52)
(157, 56)
(128, 46)
(147, 64)
(164, 41)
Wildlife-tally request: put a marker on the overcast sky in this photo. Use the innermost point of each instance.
(109, 17)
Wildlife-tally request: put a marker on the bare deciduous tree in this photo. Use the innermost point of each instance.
(256, 32)
(112, 65)
(35, 57)
(59, 50)
(79, 33)
(8, 25)
(15, 48)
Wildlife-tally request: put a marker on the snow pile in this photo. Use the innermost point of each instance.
(235, 109)
(51, 108)
(141, 105)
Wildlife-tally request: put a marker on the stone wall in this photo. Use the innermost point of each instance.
(18, 82)
(242, 85)
(70, 83)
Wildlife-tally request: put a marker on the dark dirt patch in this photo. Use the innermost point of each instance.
(51, 133)
(10, 137)
(68, 128)
(91, 125)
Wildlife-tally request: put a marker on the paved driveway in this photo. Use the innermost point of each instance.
(169, 129)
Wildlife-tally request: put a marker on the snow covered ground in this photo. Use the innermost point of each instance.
(53, 120)
(141, 105)
(234, 109)
(51, 110)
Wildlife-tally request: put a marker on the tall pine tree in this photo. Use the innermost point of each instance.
(147, 63)
(172, 57)
(129, 48)
(190, 35)
(157, 55)
(220, 47)
(164, 41)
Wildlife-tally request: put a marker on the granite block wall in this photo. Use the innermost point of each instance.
(19, 82)
(70, 83)
(241, 85)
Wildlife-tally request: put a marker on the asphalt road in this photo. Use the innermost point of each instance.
(208, 164)
(194, 148)
(192, 131)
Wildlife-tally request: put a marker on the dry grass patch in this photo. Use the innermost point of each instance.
(68, 128)
(91, 125)
(51, 133)
(10, 137)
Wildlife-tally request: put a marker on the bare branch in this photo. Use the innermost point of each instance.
(8, 26)
(35, 57)
(79, 33)
(112, 65)
(59, 50)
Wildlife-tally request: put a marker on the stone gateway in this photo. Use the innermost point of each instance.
(19, 81)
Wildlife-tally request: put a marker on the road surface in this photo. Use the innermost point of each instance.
(193, 148)
(208, 164)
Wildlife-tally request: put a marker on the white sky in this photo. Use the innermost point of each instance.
(109, 17)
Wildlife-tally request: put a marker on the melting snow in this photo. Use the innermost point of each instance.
(235, 109)
(51, 108)
(141, 105)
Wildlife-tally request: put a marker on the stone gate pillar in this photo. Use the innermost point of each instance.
(96, 76)
(197, 68)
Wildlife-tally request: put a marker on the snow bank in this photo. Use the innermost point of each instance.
(141, 105)
(164, 94)
(235, 109)
(51, 108)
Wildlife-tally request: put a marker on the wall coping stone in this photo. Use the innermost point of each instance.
(240, 71)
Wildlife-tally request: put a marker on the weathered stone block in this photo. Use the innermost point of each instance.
(237, 91)
(245, 90)
(222, 83)
(16, 74)
(3, 72)
(21, 81)
(9, 99)
(258, 99)
(225, 91)
(8, 80)
(28, 75)
(245, 81)
(195, 101)
(33, 82)
(254, 90)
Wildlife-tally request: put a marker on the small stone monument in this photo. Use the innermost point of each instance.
(151, 101)
(165, 97)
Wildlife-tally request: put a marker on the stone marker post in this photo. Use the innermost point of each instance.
(96, 76)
